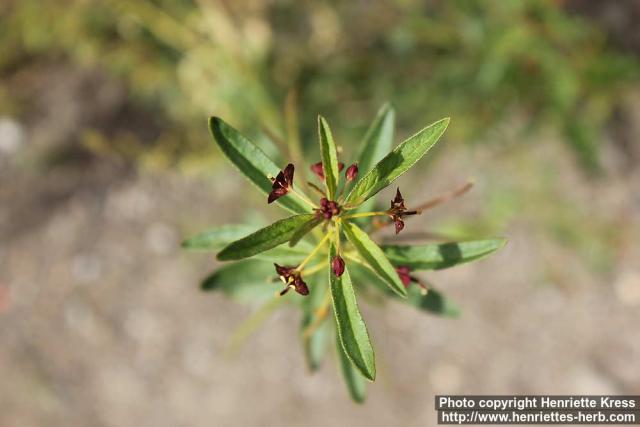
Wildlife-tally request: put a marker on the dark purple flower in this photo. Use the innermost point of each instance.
(291, 277)
(318, 169)
(398, 201)
(337, 264)
(328, 208)
(404, 273)
(398, 210)
(282, 183)
(352, 172)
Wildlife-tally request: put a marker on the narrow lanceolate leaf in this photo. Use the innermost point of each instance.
(304, 230)
(217, 238)
(251, 161)
(443, 255)
(433, 302)
(315, 345)
(352, 331)
(243, 281)
(329, 157)
(377, 142)
(397, 162)
(378, 139)
(374, 256)
(314, 330)
(264, 239)
(355, 382)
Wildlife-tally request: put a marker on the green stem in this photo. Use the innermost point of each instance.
(313, 252)
(249, 326)
(364, 214)
(316, 268)
(303, 198)
(355, 258)
(320, 314)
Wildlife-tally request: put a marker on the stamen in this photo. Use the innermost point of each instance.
(285, 290)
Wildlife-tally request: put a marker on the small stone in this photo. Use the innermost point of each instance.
(161, 238)
(86, 268)
(11, 135)
(628, 288)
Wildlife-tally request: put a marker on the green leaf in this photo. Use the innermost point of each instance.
(352, 330)
(266, 238)
(374, 256)
(443, 255)
(314, 345)
(244, 281)
(329, 157)
(355, 382)
(242, 333)
(397, 162)
(251, 161)
(302, 231)
(434, 302)
(376, 143)
(378, 139)
(217, 238)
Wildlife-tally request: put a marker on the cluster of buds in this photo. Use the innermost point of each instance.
(328, 208)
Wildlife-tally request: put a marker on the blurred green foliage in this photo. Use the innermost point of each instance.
(527, 63)
(513, 73)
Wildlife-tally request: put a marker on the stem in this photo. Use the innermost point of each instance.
(364, 214)
(444, 197)
(303, 198)
(316, 268)
(316, 189)
(313, 252)
(250, 324)
(355, 258)
(320, 313)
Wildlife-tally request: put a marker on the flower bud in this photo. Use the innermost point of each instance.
(317, 169)
(352, 172)
(337, 264)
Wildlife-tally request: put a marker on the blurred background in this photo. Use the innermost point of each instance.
(106, 164)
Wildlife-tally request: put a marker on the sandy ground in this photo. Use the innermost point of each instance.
(102, 322)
